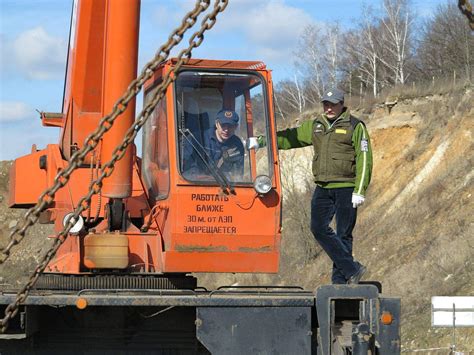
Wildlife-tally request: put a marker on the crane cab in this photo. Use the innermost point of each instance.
(183, 206)
(217, 203)
(197, 204)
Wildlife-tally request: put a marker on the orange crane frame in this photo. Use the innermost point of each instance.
(102, 62)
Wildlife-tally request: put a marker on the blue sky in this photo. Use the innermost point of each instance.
(33, 45)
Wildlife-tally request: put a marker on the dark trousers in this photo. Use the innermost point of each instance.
(325, 204)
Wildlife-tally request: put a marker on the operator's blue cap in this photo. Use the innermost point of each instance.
(334, 95)
(227, 117)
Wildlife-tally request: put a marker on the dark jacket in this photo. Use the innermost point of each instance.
(228, 156)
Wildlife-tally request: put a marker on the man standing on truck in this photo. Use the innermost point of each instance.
(221, 147)
(342, 167)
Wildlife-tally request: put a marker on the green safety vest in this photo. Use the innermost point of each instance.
(342, 151)
(334, 155)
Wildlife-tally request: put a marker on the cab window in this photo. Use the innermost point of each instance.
(216, 114)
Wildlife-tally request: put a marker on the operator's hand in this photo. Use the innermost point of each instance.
(357, 200)
(252, 143)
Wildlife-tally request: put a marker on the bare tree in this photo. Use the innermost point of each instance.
(279, 111)
(446, 44)
(290, 96)
(332, 44)
(312, 92)
(318, 58)
(362, 50)
(396, 37)
(310, 58)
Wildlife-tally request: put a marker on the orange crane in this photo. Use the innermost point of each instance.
(123, 256)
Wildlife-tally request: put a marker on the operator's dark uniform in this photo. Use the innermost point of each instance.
(228, 156)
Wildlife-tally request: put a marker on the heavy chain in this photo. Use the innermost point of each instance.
(32, 215)
(105, 124)
(466, 9)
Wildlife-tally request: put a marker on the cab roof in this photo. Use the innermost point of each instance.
(227, 64)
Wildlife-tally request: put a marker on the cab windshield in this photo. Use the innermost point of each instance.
(217, 113)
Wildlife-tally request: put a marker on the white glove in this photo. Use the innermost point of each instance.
(252, 143)
(357, 200)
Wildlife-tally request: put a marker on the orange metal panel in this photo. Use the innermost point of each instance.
(49, 119)
(223, 242)
(206, 231)
(145, 252)
(221, 262)
(68, 261)
(84, 78)
(85, 62)
(27, 180)
(205, 222)
(120, 67)
(223, 64)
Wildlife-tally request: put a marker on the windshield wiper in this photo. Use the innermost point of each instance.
(218, 175)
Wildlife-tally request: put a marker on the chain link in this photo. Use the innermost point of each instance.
(466, 8)
(32, 215)
(105, 124)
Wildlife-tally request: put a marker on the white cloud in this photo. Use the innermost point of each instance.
(265, 29)
(14, 111)
(271, 27)
(39, 55)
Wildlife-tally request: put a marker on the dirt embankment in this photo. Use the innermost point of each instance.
(26, 255)
(415, 232)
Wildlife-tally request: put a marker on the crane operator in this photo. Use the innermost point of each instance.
(221, 147)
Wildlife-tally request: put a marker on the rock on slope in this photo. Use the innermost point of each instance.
(25, 256)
